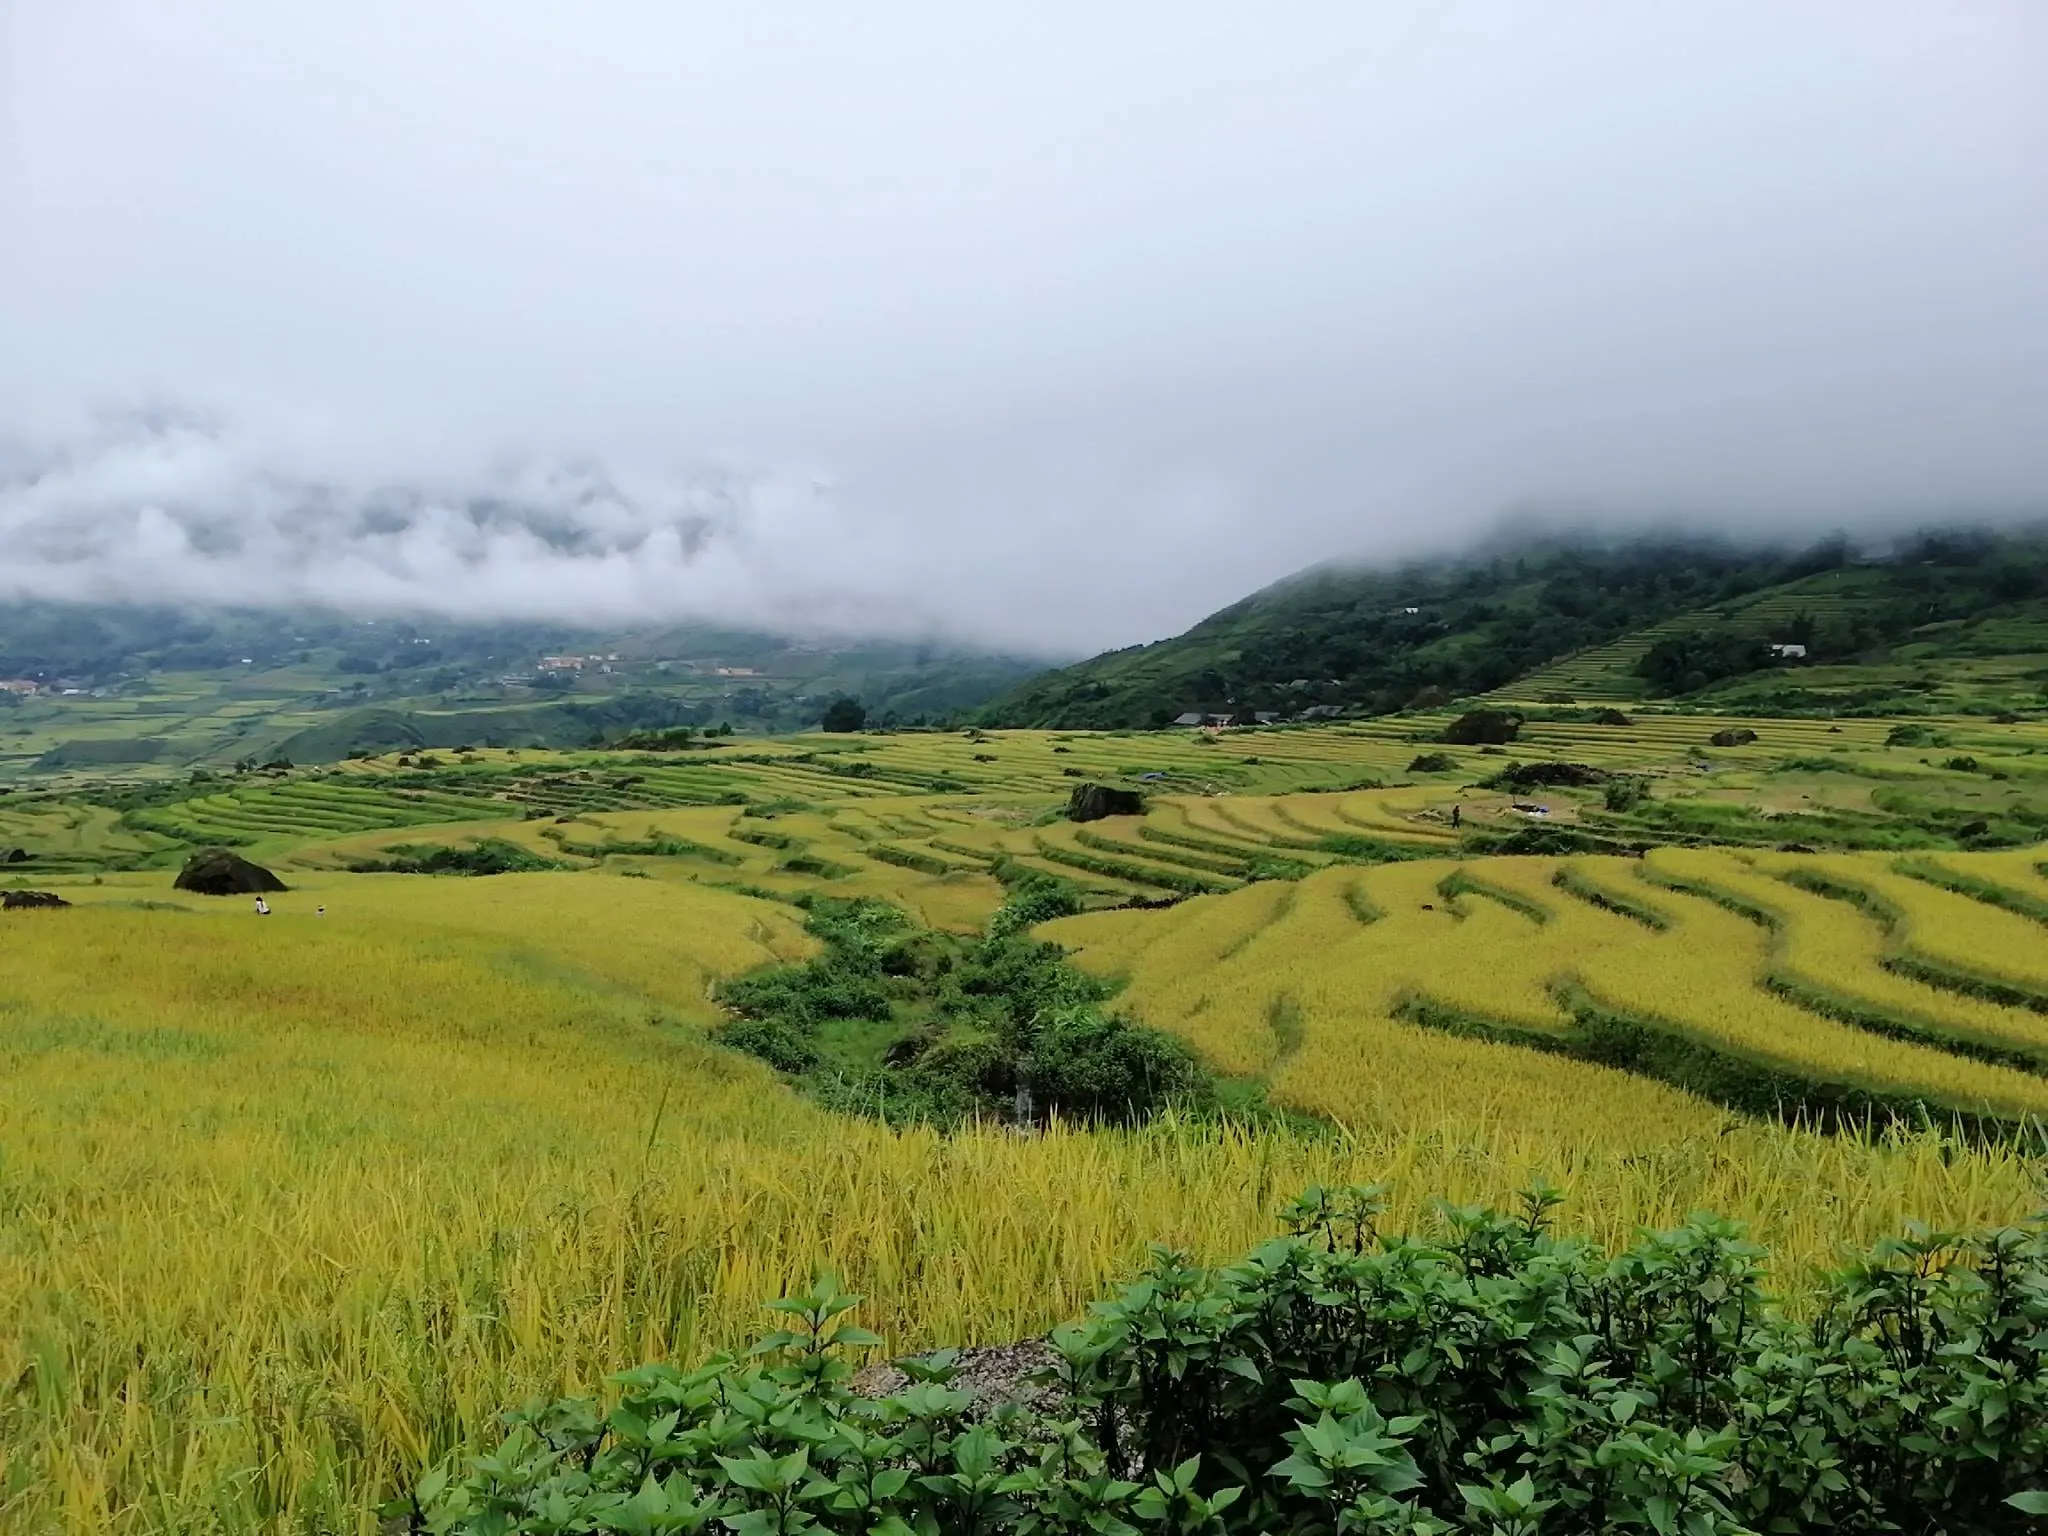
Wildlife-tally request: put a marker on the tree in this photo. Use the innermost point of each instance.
(844, 715)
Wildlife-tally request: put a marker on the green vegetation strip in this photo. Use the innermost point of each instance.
(661, 845)
(1460, 882)
(485, 856)
(911, 1025)
(905, 858)
(1946, 975)
(1361, 906)
(1573, 883)
(1236, 869)
(1669, 1053)
(1221, 847)
(1779, 977)
(1181, 881)
(1976, 887)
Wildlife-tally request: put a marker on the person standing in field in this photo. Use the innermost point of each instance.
(262, 907)
(1457, 816)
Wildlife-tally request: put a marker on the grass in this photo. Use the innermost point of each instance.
(296, 1205)
(291, 1206)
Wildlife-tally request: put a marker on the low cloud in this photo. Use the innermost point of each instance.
(1055, 328)
(168, 505)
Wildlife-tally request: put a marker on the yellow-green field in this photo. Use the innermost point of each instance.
(291, 1205)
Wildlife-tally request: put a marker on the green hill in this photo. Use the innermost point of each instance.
(1946, 627)
(1953, 621)
(103, 686)
(1382, 640)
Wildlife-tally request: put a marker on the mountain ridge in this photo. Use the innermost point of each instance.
(1494, 622)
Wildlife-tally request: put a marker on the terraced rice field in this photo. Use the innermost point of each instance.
(296, 1204)
(1717, 975)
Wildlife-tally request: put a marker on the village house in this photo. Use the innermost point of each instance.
(1240, 717)
(21, 685)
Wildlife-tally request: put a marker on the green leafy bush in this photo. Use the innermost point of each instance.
(1484, 1377)
(1032, 897)
(914, 1025)
(483, 856)
(1625, 793)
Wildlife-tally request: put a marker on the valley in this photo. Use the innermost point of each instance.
(300, 1202)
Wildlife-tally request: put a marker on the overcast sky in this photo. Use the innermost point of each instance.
(1056, 324)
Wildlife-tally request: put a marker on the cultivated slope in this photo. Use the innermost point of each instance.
(1386, 639)
(1955, 621)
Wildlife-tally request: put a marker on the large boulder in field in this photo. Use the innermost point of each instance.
(223, 872)
(9, 900)
(1092, 802)
(1547, 776)
(1483, 728)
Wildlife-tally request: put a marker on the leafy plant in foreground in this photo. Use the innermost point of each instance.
(1485, 1377)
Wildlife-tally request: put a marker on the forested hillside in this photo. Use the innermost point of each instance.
(1385, 639)
(91, 685)
(1567, 622)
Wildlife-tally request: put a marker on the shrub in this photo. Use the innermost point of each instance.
(1486, 1377)
(1089, 1065)
(1520, 776)
(1625, 793)
(485, 856)
(1483, 727)
(1433, 762)
(775, 1041)
(992, 1027)
(843, 716)
(1033, 897)
(1913, 734)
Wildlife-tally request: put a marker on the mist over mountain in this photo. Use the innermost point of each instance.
(163, 506)
(1046, 329)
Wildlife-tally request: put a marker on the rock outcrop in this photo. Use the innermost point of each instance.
(1092, 802)
(223, 872)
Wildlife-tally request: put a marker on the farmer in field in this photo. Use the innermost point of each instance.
(262, 907)
(1457, 816)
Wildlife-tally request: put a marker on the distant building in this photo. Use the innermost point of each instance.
(22, 685)
(1192, 717)
(561, 663)
(1322, 712)
(1789, 652)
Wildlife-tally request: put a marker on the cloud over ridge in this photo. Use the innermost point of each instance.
(1054, 326)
